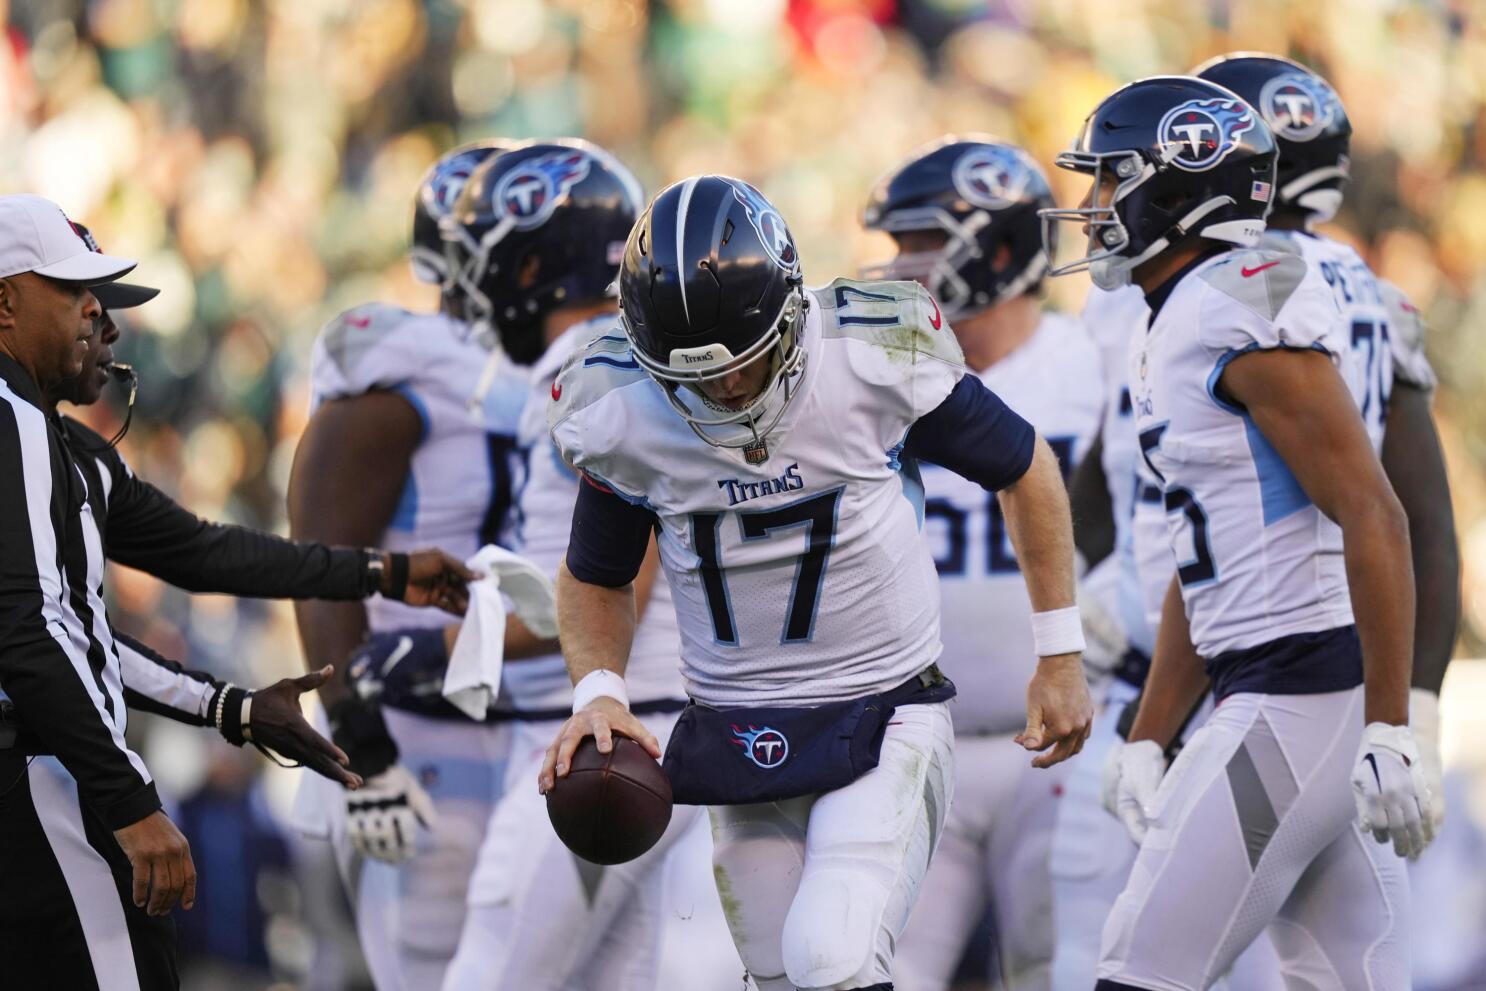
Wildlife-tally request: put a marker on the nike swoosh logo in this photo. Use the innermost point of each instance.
(1372, 762)
(403, 649)
(361, 323)
(556, 391)
(936, 319)
(1250, 272)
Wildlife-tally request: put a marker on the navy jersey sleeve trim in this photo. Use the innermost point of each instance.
(975, 435)
(609, 537)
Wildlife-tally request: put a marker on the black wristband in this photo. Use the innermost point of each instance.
(399, 576)
(357, 727)
(228, 713)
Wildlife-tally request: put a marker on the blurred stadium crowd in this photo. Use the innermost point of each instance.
(259, 156)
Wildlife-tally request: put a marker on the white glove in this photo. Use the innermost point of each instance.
(1141, 767)
(383, 816)
(1424, 720)
(1393, 800)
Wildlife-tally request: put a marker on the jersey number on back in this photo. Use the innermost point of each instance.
(817, 515)
(1000, 557)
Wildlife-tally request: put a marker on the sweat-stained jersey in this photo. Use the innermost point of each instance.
(1257, 561)
(1054, 381)
(803, 579)
(545, 514)
(462, 477)
(1141, 545)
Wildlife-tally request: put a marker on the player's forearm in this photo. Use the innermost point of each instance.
(1177, 679)
(1041, 530)
(329, 632)
(596, 625)
(1415, 464)
(1375, 536)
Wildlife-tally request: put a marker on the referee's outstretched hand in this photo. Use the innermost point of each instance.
(277, 722)
(161, 858)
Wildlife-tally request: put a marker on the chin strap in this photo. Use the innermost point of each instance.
(122, 373)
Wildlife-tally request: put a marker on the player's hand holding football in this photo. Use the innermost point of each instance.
(277, 722)
(1393, 799)
(1059, 710)
(600, 719)
(434, 579)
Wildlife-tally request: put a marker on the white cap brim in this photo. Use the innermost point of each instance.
(88, 267)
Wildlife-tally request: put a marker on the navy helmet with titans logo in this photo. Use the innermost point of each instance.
(711, 283)
(1184, 157)
(535, 229)
(1310, 126)
(983, 195)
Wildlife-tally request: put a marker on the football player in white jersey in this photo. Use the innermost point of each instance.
(1391, 374)
(1265, 465)
(525, 878)
(772, 435)
(412, 442)
(963, 212)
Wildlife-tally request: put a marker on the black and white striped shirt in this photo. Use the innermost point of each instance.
(59, 664)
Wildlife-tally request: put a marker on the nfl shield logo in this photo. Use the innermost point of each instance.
(756, 453)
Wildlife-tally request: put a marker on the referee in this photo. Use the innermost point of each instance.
(89, 873)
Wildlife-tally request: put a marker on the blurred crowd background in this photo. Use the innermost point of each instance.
(259, 157)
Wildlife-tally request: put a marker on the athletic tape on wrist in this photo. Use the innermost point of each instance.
(1057, 631)
(599, 684)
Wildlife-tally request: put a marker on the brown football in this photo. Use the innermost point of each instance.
(610, 808)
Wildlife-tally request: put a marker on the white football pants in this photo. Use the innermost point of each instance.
(817, 889)
(1092, 854)
(408, 915)
(994, 855)
(1255, 826)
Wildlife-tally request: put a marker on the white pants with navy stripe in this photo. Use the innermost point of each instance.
(817, 889)
(1255, 827)
(67, 918)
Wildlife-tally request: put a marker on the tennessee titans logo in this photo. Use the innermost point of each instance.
(530, 192)
(991, 178)
(447, 183)
(772, 233)
(1199, 134)
(765, 747)
(1298, 106)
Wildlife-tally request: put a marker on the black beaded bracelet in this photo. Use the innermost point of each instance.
(228, 713)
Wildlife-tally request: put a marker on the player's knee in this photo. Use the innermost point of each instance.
(830, 933)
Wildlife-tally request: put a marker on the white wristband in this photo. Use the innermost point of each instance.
(1057, 631)
(599, 684)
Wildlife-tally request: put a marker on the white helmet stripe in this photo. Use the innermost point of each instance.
(680, 243)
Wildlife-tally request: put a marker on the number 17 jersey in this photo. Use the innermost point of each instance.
(803, 579)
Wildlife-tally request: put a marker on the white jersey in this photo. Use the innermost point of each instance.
(545, 519)
(461, 479)
(1366, 321)
(1112, 318)
(1256, 559)
(801, 580)
(1053, 381)
(1406, 337)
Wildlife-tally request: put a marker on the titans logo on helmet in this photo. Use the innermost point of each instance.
(1199, 134)
(991, 178)
(530, 192)
(766, 747)
(447, 182)
(772, 233)
(1298, 105)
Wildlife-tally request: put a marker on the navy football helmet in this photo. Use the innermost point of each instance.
(437, 191)
(1309, 124)
(1186, 158)
(711, 283)
(983, 195)
(535, 229)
